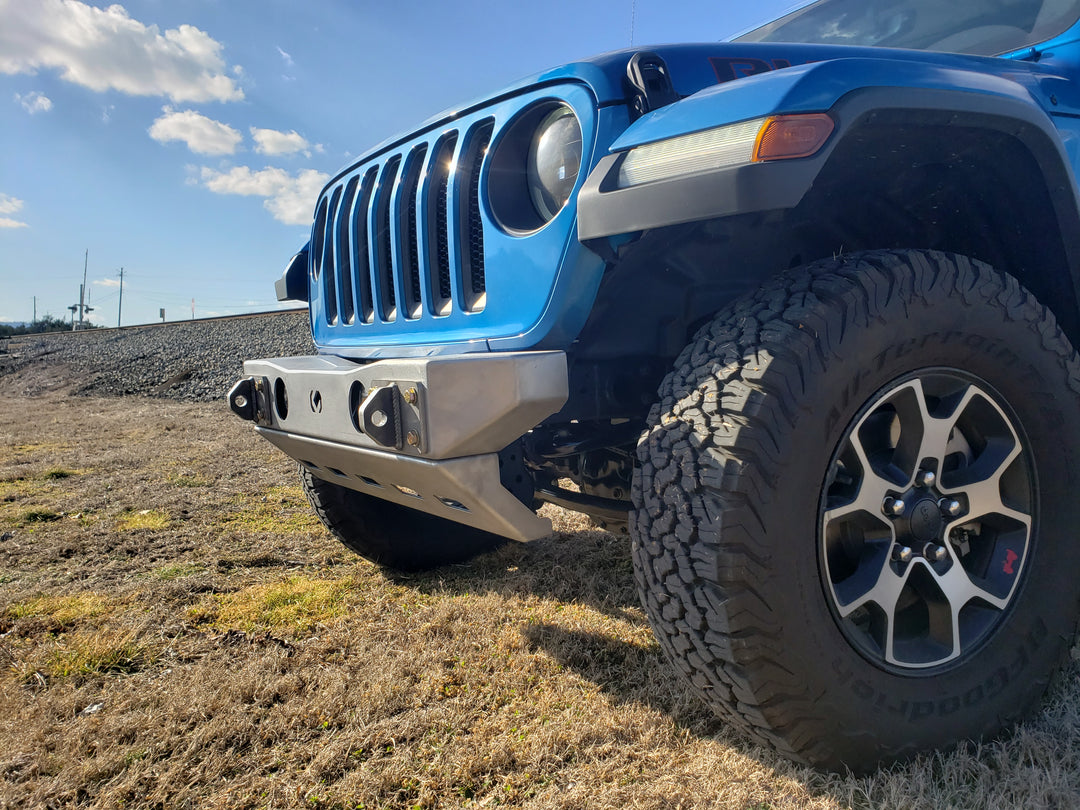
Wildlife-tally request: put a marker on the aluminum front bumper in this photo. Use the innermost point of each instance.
(423, 432)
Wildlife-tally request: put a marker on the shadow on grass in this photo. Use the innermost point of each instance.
(590, 568)
(593, 569)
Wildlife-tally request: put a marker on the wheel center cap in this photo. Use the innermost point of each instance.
(926, 521)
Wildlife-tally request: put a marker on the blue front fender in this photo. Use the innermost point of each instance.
(847, 89)
(819, 86)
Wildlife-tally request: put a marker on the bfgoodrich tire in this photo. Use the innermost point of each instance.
(855, 515)
(391, 535)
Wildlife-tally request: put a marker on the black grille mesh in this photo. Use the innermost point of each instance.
(478, 282)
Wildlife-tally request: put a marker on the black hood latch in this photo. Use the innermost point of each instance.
(650, 83)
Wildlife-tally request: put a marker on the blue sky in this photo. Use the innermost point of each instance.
(186, 140)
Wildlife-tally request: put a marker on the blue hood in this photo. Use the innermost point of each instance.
(696, 66)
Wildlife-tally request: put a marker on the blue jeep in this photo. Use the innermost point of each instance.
(796, 311)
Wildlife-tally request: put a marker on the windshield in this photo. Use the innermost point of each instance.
(983, 27)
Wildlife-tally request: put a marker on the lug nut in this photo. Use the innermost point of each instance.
(902, 554)
(934, 552)
(925, 478)
(950, 506)
(892, 506)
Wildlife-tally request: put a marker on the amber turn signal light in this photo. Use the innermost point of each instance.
(792, 136)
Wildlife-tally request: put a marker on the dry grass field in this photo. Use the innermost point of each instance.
(177, 630)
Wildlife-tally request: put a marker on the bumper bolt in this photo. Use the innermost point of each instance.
(411, 396)
(902, 554)
(934, 552)
(413, 438)
(950, 506)
(240, 401)
(925, 478)
(892, 506)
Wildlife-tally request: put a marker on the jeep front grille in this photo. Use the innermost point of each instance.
(408, 258)
(391, 240)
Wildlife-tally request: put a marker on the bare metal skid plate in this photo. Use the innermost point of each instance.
(466, 490)
(441, 423)
(454, 405)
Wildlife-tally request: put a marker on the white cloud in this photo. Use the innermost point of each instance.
(202, 135)
(105, 49)
(10, 205)
(290, 198)
(34, 102)
(287, 58)
(106, 282)
(274, 142)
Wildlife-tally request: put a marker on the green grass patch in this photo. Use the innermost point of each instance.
(36, 448)
(153, 519)
(297, 603)
(177, 571)
(58, 474)
(62, 611)
(17, 487)
(189, 481)
(282, 510)
(39, 516)
(107, 652)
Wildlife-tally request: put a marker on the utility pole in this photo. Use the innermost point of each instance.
(82, 306)
(120, 306)
(35, 310)
(82, 300)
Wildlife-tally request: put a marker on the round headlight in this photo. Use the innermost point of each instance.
(553, 162)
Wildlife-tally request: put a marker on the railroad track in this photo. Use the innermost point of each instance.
(7, 342)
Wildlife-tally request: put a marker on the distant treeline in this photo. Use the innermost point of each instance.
(50, 323)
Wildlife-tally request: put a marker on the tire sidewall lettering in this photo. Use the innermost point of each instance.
(890, 696)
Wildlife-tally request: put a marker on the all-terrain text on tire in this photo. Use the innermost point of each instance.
(796, 311)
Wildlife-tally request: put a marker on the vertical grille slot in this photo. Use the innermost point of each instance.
(440, 292)
(363, 254)
(410, 239)
(384, 239)
(319, 234)
(330, 265)
(346, 252)
(471, 227)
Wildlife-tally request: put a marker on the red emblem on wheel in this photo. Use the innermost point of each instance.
(1010, 557)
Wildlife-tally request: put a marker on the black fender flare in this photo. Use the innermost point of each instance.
(605, 210)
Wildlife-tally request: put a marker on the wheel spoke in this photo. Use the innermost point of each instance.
(872, 492)
(937, 431)
(959, 590)
(873, 488)
(883, 593)
(984, 498)
(864, 535)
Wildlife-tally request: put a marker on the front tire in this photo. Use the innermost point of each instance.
(392, 535)
(855, 519)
